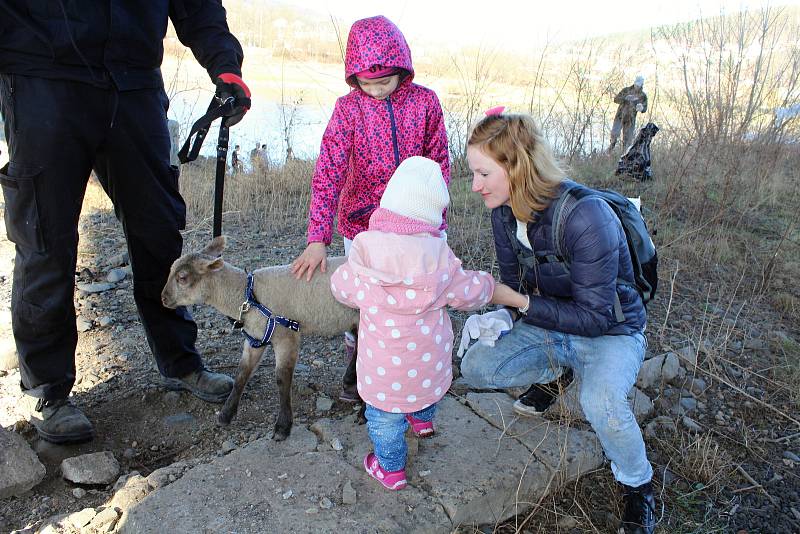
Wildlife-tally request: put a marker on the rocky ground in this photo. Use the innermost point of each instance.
(724, 436)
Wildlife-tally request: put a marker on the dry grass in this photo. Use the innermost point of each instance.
(276, 199)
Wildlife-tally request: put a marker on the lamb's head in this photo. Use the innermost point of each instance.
(188, 275)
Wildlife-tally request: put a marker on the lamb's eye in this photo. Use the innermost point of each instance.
(182, 277)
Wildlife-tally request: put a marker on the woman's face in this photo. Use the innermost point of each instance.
(488, 178)
(379, 88)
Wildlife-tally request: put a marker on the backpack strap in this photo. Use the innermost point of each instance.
(525, 257)
(565, 204)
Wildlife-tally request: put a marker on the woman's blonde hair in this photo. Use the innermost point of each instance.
(516, 143)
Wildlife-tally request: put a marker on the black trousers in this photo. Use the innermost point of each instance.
(57, 132)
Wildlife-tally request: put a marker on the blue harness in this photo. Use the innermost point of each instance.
(251, 302)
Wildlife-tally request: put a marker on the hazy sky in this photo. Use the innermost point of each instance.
(527, 22)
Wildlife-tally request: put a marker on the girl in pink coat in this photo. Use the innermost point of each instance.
(384, 119)
(401, 274)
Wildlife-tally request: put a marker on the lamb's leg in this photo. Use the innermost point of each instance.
(349, 379)
(361, 418)
(247, 366)
(286, 349)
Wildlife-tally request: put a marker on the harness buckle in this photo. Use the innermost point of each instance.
(244, 308)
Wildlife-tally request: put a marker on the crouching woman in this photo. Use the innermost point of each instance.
(563, 317)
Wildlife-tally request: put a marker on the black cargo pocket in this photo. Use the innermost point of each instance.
(21, 210)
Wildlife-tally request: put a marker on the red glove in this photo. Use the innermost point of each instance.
(231, 85)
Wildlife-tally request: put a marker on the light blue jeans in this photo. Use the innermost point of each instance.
(606, 366)
(386, 430)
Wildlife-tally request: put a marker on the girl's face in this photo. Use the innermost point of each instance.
(379, 88)
(488, 178)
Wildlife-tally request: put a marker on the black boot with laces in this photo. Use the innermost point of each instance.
(640, 509)
(62, 423)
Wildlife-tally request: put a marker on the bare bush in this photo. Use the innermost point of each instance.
(734, 71)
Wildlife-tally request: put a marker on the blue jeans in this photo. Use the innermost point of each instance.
(386, 430)
(606, 366)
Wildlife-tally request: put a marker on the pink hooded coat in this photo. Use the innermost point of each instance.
(401, 284)
(366, 139)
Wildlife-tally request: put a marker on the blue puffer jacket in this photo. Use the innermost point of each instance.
(579, 301)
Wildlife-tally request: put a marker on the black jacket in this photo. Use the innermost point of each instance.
(579, 301)
(111, 41)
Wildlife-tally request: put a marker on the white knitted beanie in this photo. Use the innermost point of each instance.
(417, 190)
(639, 81)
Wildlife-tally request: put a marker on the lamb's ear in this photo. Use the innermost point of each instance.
(204, 266)
(215, 247)
(216, 265)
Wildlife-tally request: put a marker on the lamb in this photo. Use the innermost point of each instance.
(205, 278)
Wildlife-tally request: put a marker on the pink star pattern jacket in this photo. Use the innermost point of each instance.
(401, 283)
(366, 139)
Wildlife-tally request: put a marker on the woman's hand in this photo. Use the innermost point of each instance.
(505, 296)
(314, 255)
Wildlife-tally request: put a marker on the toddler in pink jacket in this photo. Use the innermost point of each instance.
(401, 274)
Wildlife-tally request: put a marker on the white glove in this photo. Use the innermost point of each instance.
(486, 328)
(639, 107)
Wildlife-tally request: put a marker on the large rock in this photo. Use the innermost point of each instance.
(568, 405)
(469, 473)
(568, 451)
(479, 475)
(94, 468)
(20, 468)
(469, 467)
(282, 487)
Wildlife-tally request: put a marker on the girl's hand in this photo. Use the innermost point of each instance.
(315, 255)
(505, 296)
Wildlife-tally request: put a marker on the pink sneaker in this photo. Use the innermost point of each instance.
(393, 480)
(421, 429)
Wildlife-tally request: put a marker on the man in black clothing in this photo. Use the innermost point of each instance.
(236, 163)
(81, 90)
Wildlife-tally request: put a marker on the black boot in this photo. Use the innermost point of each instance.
(203, 384)
(62, 423)
(539, 397)
(640, 509)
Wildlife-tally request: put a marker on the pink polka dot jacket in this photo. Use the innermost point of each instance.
(401, 283)
(366, 139)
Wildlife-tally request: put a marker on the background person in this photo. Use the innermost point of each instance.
(631, 100)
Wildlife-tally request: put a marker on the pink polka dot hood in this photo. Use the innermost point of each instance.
(366, 139)
(402, 283)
